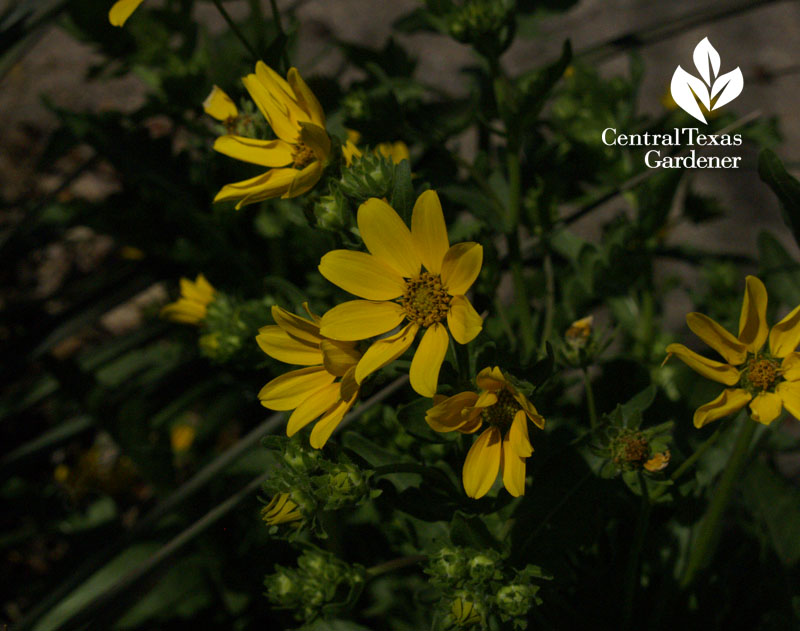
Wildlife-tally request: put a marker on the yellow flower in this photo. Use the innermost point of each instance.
(579, 332)
(658, 462)
(191, 307)
(504, 445)
(767, 380)
(297, 158)
(280, 510)
(122, 10)
(181, 437)
(396, 151)
(397, 290)
(220, 106)
(312, 392)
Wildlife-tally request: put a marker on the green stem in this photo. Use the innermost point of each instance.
(276, 17)
(549, 300)
(395, 564)
(689, 462)
(632, 573)
(587, 383)
(702, 549)
(224, 12)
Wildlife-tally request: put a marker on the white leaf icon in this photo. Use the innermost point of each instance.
(706, 55)
(728, 86)
(686, 89)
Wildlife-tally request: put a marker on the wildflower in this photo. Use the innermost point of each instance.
(296, 158)
(504, 445)
(395, 151)
(396, 290)
(192, 306)
(121, 11)
(658, 462)
(280, 510)
(181, 437)
(312, 392)
(766, 379)
(578, 333)
(220, 106)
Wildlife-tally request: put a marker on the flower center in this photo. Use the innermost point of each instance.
(762, 373)
(425, 299)
(302, 156)
(502, 413)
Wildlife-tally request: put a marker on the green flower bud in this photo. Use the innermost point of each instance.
(464, 612)
(516, 600)
(371, 175)
(333, 213)
(483, 567)
(488, 25)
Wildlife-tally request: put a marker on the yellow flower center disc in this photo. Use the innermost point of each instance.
(762, 373)
(425, 299)
(502, 413)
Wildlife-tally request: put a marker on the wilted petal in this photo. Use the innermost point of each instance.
(785, 335)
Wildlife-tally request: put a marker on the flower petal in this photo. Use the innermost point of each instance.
(429, 231)
(122, 10)
(461, 267)
(360, 319)
(766, 407)
(491, 379)
(717, 338)
(753, 319)
(273, 109)
(385, 351)
(317, 139)
(316, 404)
(785, 335)
(297, 327)
(304, 182)
(790, 367)
(305, 97)
(267, 153)
(290, 390)
(219, 105)
(710, 369)
(729, 401)
(362, 274)
(339, 357)
(328, 423)
(487, 398)
(790, 395)
(518, 435)
(513, 468)
(462, 320)
(530, 410)
(387, 237)
(446, 415)
(424, 372)
(278, 344)
(273, 183)
(482, 463)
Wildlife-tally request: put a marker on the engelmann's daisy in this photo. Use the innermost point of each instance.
(192, 306)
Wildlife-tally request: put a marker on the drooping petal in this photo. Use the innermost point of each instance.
(482, 463)
(219, 105)
(429, 231)
(513, 468)
(461, 267)
(267, 153)
(272, 109)
(360, 319)
(729, 401)
(518, 435)
(491, 379)
(387, 237)
(385, 351)
(424, 372)
(302, 183)
(790, 367)
(317, 139)
(278, 344)
(790, 396)
(290, 390)
(462, 320)
(328, 423)
(297, 327)
(315, 405)
(753, 319)
(339, 357)
(785, 335)
(361, 274)
(305, 98)
(766, 407)
(710, 369)
(122, 10)
(446, 415)
(717, 338)
(530, 410)
(273, 183)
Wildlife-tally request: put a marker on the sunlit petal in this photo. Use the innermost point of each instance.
(785, 335)
(361, 274)
(385, 351)
(429, 231)
(710, 369)
(717, 338)
(482, 463)
(387, 237)
(461, 267)
(424, 372)
(360, 319)
(753, 319)
(290, 390)
(462, 320)
(729, 401)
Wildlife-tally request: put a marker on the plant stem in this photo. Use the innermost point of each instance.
(587, 383)
(687, 464)
(394, 564)
(705, 542)
(632, 573)
(276, 17)
(224, 12)
(549, 298)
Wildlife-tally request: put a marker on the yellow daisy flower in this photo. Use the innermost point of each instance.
(396, 290)
(504, 445)
(191, 307)
(768, 380)
(297, 158)
(122, 10)
(220, 106)
(312, 392)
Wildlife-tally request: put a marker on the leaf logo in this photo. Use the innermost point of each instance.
(713, 91)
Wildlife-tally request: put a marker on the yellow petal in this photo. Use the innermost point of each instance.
(429, 231)
(303, 182)
(482, 463)
(267, 153)
(766, 407)
(348, 386)
(297, 327)
(729, 401)
(385, 351)
(220, 105)
(362, 274)
(518, 435)
(122, 10)
(316, 404)
(397, 151)
(273, 183)
(273, 110)
(491, 379)
(513, 468)
(387, 237)
(530, 410)
(199, 291)
(339, 357)
(486, 399)
(317, 139)
(461, 267)
(446, 415)
(785, 335)
(350, 151)
(790, 396)
(753, 319)
(305, 98)
(717, 338)
(184, 311)
(330, 421)
(790, 367)
(290, 390)
(658, 462)
(462, 320)
(424, 372)
(710, 369)
(360, 319)
(279, 345)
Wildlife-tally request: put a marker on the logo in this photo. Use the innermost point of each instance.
(713, 91)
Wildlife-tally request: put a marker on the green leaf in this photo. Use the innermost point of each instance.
(787, 188)
(535, 86)
(403, 191)
(471, 532)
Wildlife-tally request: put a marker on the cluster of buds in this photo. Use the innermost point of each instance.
(231, 325)
(321, 584)
(371, 175)
(476, 586)
(488, 25)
